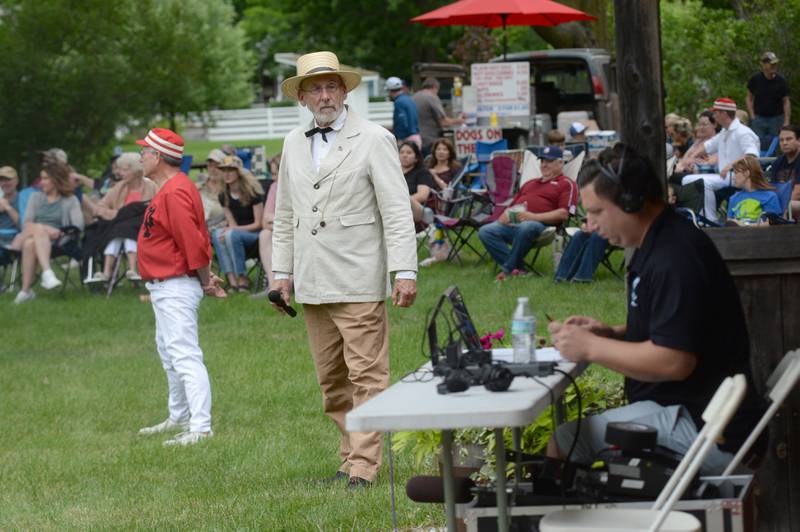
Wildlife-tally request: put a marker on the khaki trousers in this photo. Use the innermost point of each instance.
(350, 346)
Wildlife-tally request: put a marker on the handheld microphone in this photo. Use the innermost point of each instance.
(276, 298)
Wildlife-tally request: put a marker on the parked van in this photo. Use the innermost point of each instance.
(570, 79)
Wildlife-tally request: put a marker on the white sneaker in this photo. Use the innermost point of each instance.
(133, 276)
(23, 297)
(165, 426)
(49, 280)
(188, 438)
(98, 277)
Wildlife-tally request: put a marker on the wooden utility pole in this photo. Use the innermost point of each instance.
(641, 98)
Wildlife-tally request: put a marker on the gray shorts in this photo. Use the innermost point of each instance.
(676, 431)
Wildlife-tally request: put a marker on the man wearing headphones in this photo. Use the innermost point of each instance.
(676, 348)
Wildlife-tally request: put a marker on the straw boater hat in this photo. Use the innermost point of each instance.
(318, 64)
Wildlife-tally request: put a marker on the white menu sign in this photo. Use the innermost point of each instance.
(503, 88)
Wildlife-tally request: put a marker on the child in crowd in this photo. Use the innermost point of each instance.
(757, 197)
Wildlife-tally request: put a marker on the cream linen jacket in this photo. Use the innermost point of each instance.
(342, 230)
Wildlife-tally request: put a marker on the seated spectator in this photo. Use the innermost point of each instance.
(787, 166)
(443, 165)
(47, 213)
(583, 255)
(680, 133)
(557, 138)
(757, 196)
(735, 141)
(418, 178)
(132, 188)
(577, 132)
(704, 130)
(9, 210)
(265, 236)
(210, 189)
(242, 201)
(539, 203)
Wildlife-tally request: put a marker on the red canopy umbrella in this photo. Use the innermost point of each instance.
(497, 13)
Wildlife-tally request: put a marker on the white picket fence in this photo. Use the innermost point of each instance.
(265, 122)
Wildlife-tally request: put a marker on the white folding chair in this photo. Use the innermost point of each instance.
(572, 168)
(660, 517)
(782, 380)
(531, 168)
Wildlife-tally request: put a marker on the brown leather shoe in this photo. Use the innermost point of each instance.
(340, 476)
(357, 483)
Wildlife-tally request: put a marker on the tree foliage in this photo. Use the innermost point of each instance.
(73, 71)
(708, 52)
(375, 35)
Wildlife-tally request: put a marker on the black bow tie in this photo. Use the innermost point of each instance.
(321, 131)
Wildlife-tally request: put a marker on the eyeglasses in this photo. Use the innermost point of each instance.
(331, 88)
(147, 150)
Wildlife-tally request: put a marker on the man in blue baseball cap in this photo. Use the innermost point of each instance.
(539, 203)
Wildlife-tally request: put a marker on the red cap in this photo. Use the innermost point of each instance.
(163, 141)
(724, 104)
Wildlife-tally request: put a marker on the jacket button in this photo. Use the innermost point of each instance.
(313, 231)
(322, 224)
(316, 185)
(314, 209)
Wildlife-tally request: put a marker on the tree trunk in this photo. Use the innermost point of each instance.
(639, 79)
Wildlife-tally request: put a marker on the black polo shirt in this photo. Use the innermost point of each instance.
(681, 296)
(768, 94)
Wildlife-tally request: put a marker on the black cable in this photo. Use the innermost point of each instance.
(575, 437)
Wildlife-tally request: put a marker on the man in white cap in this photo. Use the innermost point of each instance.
(734, 142)
(174, 258)
(405, 123)
(342, 225)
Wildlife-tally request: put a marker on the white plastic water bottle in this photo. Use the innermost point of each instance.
(523, 333)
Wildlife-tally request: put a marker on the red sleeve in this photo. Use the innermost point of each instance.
(568, 194)
(189, 233)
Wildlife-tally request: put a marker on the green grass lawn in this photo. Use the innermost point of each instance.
(80, 375)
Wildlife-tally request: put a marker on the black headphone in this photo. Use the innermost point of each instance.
(628, 199)
(494, 377)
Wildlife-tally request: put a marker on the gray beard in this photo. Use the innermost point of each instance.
(325, 118)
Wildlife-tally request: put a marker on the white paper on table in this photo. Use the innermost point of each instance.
(543, 354)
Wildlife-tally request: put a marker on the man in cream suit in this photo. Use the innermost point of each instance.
(342, 225)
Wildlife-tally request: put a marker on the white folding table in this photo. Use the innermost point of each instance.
(414, 405)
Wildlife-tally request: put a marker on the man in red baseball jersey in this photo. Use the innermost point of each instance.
(174, 258)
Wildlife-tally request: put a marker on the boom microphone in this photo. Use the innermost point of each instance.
(276, 298)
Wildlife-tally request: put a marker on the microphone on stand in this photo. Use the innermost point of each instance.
(275, 297)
